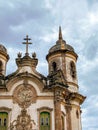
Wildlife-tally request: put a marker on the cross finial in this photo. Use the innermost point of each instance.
(27, 39)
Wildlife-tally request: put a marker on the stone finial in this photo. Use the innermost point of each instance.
(19, 55)
(34, 55)
(60, 33)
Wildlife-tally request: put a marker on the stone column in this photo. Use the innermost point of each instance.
(57, 107)
(68, 116)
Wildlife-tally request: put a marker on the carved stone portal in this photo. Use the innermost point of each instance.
(23, 122)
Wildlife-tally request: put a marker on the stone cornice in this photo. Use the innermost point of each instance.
(7, 97)
(78, 97)
(62, 51)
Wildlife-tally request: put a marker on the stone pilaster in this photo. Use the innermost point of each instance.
(57, 106)
(68, 116)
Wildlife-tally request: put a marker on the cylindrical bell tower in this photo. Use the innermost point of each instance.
(63, 57)
(4, 57)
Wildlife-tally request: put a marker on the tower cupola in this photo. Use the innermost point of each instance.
(61, 46)
(62, 57)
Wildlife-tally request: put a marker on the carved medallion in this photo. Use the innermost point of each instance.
(24, 96)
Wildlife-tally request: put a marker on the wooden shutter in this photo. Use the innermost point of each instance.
(3, 120)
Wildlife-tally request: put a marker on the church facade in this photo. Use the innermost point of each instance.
(30, 100)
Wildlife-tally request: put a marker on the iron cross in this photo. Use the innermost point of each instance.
(27, 39)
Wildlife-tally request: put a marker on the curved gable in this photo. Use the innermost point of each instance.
(18, 80)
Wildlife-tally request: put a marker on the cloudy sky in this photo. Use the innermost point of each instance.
(40, 19)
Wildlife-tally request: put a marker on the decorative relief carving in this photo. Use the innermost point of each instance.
(57, 95)
(72, 88)
(24, 95)
(57, 77)
(23, 122)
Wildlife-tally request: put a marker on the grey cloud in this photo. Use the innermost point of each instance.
(91, 47)
(39, 19)
(91, 80)
(21, 14)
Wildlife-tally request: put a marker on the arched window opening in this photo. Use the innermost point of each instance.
(44, 121)
(73, 69)
(3, 120)
(54, 65)
(1, 66)
(77, 113)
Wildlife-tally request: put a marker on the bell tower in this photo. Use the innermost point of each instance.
(63, 57)
(4, 57)
(62, 80)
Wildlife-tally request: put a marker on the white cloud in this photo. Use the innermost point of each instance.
(49, 37)
(93, 18)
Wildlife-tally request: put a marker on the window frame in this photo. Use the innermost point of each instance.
(44, 115)
(7, 110)
(48, 110)
(4, 120)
